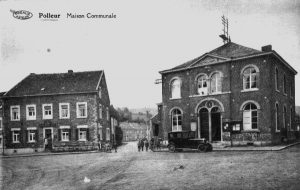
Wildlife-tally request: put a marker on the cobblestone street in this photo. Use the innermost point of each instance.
(129, 169)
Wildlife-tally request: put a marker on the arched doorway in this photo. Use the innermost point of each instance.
(210, 120)
(204, 123)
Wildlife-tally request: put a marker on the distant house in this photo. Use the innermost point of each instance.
(60, 111)
(114, 122)
(231, 88)
(133, 131)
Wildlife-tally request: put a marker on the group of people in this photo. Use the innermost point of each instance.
(143, 143)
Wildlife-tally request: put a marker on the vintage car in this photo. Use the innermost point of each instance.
(180, 140)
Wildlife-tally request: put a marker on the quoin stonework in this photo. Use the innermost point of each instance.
(232, 93)
(58, 112)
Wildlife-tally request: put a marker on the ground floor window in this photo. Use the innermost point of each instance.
(65, 135)
(176, 120)
(108, 134)
(82, 134)
(31, 135)
(250, 117)
(16, 136)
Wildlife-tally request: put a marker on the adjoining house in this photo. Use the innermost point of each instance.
(1, 123)
(61, 112)
(133, 131)
(232, 92)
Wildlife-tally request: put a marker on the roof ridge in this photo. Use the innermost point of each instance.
(66, 72)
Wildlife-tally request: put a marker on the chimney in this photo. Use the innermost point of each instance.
(70, 71)
(266, 48)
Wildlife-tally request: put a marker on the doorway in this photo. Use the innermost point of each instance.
(204, 123)
(48, 138)
(215, 124)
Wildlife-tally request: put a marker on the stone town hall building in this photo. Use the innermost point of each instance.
(56, 111)
(233, 87)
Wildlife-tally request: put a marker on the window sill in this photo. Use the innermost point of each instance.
(213, 94)
(277, 131)
(45, 118)
(251, 131)
(65, 140)
(30, 119)
(81, 140)
(250, 90)
(15, 142)
(64, 118)
(31, 142)
(175, 98)
(15, 120)
(81, 117)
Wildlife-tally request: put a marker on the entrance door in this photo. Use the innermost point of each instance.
(48, 139)
(156, 130)
(215, 124)
(204, 123)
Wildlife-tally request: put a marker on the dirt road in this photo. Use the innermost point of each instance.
(129, 169)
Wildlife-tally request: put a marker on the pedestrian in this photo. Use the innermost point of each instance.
(139, 145)
(99, 145)
(146, 144)
(142, 145)
(115, 146)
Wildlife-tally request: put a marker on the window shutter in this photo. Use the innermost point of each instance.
(9, 137)
(76, 138)
(36, 135)
(26, 136)
(21, 136)
(70, 134)
(59, 134)
(87, 134)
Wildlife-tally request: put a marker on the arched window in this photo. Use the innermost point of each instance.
(277, 117)
(276, 79)
(250, 78)
(250, 116)
(202, 85)
(175, 88)
(284, 116)
(284, 84)
(215, 83)
(176, 116)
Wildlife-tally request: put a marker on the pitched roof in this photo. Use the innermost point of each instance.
(58, 83)
(229, 50)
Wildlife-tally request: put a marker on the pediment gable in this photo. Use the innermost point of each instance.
(208, 59)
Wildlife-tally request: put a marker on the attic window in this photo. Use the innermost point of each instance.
(42, 89)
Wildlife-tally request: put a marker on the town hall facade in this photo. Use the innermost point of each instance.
(230, 93)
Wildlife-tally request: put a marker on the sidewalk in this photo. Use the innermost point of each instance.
(244, 148)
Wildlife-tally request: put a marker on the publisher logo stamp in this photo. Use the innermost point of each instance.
(22, 14)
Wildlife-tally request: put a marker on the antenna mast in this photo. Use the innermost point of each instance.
(225, 37)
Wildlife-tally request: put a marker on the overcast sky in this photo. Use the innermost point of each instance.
(146, 37)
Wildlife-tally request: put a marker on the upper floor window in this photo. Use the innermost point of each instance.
(284, 84)
(276, 79)
(250, 116)
(47, 111)
(15, 113)
(176, 116)
(100, 112)
(107, 114)
(81, 109)
(249, 78)
(30, 112)
(64, 110)
(215, 83)
(277, 117)
(202, 85)
(1, 123)
(176, 88)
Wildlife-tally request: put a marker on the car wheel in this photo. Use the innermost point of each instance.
(172, 148)
(202, 148)
(209, 147)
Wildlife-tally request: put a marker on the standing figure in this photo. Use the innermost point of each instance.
(142, 145)
(139, 145)
(146, 144)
